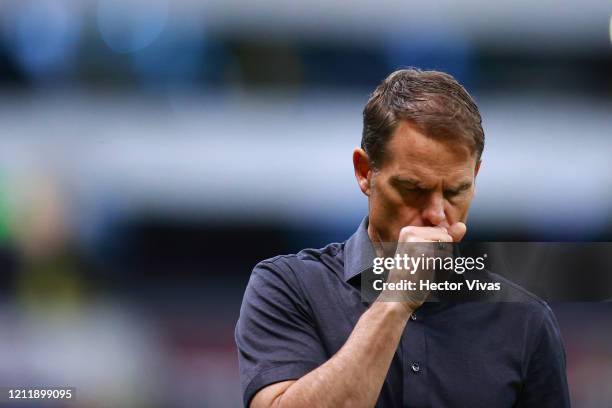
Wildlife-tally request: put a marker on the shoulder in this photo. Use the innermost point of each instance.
(287, 281)
(539, 326)
(305, 263)
(536, 309)
(514, 292)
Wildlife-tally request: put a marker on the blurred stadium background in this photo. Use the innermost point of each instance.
(151, 152)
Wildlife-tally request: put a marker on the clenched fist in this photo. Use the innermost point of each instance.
(419, 242)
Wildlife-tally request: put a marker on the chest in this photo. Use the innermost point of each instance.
(450, 365)
(466, 355)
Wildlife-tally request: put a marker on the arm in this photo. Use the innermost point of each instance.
(545, 383)
(354, 376)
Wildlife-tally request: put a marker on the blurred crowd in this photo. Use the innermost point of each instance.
(151, 152)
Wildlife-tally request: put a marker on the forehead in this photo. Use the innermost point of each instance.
(410, 151)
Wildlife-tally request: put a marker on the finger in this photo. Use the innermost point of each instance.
(437, 233)
(421, 234)
(457, 231)
(445, 237)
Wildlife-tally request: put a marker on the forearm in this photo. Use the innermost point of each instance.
(355, 374)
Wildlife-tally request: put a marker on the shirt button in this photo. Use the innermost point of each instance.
(413, 316)
(416, 367)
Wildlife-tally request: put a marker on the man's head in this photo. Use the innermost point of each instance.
(420, 152)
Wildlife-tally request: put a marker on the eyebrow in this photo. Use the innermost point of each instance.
(407, 181)
(415, 183)
(463, 186)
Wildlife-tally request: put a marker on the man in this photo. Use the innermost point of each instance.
(305, 337)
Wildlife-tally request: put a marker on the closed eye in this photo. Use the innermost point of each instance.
(457, 191)
(408, 185)
(413, 190)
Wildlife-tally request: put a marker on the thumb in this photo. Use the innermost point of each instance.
(457, 231)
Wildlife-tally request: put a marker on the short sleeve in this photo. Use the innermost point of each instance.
(275, 333)
(545, 382)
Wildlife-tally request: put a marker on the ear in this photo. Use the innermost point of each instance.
(361, 164)
(477, 168)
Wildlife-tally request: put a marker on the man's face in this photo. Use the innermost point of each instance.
(422, 182)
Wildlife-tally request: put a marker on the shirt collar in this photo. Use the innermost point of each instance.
(359, 252)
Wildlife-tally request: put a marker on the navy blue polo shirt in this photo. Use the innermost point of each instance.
(298, 310)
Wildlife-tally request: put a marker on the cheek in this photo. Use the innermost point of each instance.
(390, 212)
(453, 214)
(385, 197)
(401, 210)
(401, 213)
(457, 211)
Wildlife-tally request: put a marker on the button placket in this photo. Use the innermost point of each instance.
(414, 356)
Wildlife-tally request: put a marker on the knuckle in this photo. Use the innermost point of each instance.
(407, 231)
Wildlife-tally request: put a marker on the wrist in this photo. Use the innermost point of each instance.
(399, 310)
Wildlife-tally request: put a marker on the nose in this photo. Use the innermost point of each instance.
(433, 213)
